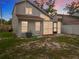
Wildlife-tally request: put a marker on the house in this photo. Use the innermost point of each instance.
(70, 24)
(28, 17)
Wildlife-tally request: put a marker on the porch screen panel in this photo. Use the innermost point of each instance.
(24, 26)
(48, 28)
(37, 26)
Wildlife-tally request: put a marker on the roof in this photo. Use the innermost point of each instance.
(42, 10)
(69, 20)
(29, 17)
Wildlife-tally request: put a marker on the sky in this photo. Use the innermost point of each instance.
(7, 7)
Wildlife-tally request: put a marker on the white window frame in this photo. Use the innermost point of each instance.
(24, 26)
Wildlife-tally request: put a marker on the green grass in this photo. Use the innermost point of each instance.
(68, 40)
(6, 35)
(9, 41)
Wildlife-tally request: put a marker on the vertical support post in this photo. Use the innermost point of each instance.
(59, 26)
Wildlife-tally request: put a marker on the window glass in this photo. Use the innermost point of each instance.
(48, 28)
(55, 27)
(24, 26)
(28, 10)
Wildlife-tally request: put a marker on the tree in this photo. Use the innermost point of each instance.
(5, 22)
(47, 5)
(9, 22)
(72, 8)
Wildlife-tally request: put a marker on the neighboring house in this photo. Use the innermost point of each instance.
(28, 17)
(70, 25)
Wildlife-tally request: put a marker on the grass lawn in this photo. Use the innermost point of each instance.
(7, 40)
(12, 47)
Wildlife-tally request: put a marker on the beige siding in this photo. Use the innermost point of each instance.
(15, 22)
(44, 17)
(26, 8)
(36, 12)
(20, 8)
(47, 28)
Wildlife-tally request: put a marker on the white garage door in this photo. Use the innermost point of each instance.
(70, 29)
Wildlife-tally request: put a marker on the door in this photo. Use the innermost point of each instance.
(55, 27)
(35, 27)
(31, 27)
(38, 28)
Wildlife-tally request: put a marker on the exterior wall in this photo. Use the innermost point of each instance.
(15, 22)
(30, 28)
(46, 25)
(70, 25)
(20, 8)
(36, 12)
(69, 20)
(70, 29)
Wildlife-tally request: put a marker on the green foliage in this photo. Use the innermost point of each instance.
(6, 22)
(50, 9)
(77, 17)
(5, 34)
(72, 8)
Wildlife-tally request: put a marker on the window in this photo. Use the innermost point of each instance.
(28, 10)
(55, 27)
(37, 26)
(48, 28)
(24, 26)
